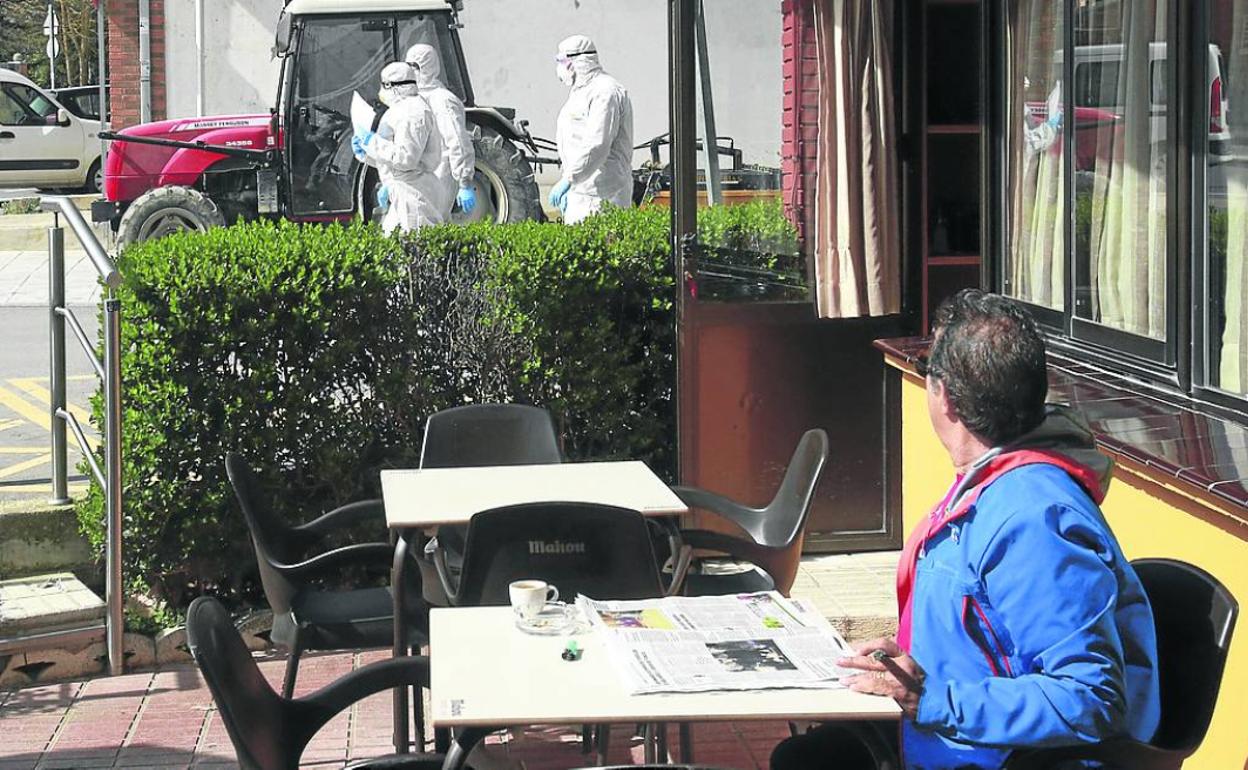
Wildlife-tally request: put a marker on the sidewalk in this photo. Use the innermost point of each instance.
(167, 720)
(24, 279)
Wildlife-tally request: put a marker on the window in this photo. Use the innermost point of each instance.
(1225, 285)
(1087, 172)
(40, 105)
(1035, 268)
(12, 112)
(21, 105)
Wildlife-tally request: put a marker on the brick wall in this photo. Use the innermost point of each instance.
(800, 127)
(123, 61)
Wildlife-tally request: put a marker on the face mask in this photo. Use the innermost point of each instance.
(565, 73)
(385, 96)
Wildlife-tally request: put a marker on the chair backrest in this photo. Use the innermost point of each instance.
(598, 550)
(786, 513)
(268, 533)
(1195, 616)
(489, 434)
(255, 716)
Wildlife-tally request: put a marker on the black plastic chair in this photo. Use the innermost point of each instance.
(597, 550)
(477, 435)
(305, 617)
(270, 732)
(1195, 617)
(775, 532)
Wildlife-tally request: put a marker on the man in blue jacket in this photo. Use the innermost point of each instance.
(1021, 623)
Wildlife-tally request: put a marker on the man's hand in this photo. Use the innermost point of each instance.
(887, 670)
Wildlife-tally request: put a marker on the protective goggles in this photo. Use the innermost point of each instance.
(564, 58)
(400, 83)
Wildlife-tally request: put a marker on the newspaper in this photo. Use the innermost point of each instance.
(738, 642)
(362, 114)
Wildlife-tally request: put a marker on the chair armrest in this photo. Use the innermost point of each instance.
(339, 695)
(680, 569)
(736, 547)
(1115, 754)
(444, 576)
(361, 553)
(344, 516)
(742, 515)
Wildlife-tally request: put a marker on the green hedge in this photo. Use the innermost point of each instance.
(318, 352)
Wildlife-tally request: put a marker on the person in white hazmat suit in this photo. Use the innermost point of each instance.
(594, 134)
(448, 111)
(407, 151)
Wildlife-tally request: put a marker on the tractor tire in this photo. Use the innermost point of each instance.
(167, 210)
(506, 189)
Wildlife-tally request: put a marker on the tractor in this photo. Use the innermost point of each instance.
(296, 162)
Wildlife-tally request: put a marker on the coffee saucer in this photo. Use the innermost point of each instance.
(555, 618)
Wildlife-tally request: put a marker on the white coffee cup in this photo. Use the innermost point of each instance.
(528, 597)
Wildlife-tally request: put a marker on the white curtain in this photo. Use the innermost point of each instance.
(1127, 244)
(857, 213)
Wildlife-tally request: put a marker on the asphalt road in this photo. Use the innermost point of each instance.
(25, 458)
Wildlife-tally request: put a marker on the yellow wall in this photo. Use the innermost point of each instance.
(1150, 519)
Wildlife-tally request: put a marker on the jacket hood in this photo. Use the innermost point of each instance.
(1065, 432)
(583, 55)
(428, 63)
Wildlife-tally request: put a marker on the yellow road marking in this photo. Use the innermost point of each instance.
(6, 424)
(33, 413)
(31, 387)
(37, 489)
(34, 462)
(21, 450)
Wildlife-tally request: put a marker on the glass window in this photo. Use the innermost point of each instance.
(12, 112)
(35, 100)
(1097, 81)
(1121, 200)
(1035, 269)
(1226, 279)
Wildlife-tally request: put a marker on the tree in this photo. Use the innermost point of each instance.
(21, 32)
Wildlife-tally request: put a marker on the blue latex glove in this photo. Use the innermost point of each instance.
(559, 194)
(359, 142)
(467, 199)
(383, 198)
(1055, 121)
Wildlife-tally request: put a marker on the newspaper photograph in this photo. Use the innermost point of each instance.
(703, 643)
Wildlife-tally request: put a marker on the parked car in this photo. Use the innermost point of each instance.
(83, 101)
(43, 144)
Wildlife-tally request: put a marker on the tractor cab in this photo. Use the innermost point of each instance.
(329, 53)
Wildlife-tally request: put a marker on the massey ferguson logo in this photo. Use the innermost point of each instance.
(554, 547)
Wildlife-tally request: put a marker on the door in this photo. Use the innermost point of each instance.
(34, 149)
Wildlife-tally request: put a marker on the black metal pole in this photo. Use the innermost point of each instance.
(682, 100)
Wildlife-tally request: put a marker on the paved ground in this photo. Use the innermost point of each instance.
(25, 462)
(167, 720)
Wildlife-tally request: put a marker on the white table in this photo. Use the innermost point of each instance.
(488, 674)
(423, 499)
(432, 497)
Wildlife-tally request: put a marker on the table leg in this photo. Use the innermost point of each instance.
(462, 745)
(397, 590)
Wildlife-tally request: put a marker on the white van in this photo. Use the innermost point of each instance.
(42, 144)
(1097, 68)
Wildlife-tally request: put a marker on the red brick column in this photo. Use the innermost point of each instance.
(800, 125)
(123, 61)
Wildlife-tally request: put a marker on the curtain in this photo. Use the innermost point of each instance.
(1127, 243)
(1036, 254)
(857, 250)
(1228, 248)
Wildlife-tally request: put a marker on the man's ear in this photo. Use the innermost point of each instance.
(941, 394)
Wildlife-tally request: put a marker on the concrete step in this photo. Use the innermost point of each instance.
(29, 232)
(37, 538)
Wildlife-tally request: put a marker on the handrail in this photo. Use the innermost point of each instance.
(103, 263)
(109, 372)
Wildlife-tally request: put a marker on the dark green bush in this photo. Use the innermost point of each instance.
(318, 352)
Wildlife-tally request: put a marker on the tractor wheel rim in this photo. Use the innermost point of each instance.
(170, 221)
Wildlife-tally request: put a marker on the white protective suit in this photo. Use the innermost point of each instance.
(407, 151)
(594, 133)
(448, 111)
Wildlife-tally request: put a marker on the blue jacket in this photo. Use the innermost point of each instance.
(1031, 626)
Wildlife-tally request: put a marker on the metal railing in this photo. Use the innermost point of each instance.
(109, 371)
